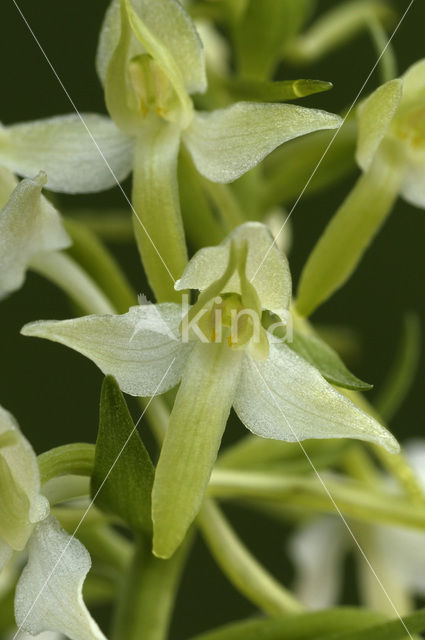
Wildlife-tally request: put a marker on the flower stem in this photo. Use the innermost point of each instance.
(242, 569)
(353, 499)
(60, 269)
(70, 459)
(148, 594)
(91, 255)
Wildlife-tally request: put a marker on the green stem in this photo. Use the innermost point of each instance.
(353, 499)
(148, 594)
(384, 50)
(60, 269)
(202, 226)
(111, 225)
(92, 255)
(242, 569)
(226, 203)
(336, 27)
(65, 488)
(402, 373)
(107, 546)
(69, 459)
(304, 626)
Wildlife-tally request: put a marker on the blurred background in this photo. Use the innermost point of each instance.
(53, 392)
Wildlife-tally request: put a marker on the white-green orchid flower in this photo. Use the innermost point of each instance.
(223, 356)
(49, 590)
(30, 227)
(391, 154)
(31, 236)
(150, 60)
(397, 555)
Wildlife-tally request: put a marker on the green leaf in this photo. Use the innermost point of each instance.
(123, 472)
(326, 360)
(257, 91)
(301, 627)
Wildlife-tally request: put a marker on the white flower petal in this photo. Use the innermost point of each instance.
(285, 398)
(29, 225)
(317, 550)
(415, 452)
(413, 186)
(49, 591)
(403, 553)
(414, 81)
(21, 504)
(169, 35)
(374, 117)
(217, 49)
(8, 182)
(136, 348)
(46, 635)
(108, 39)
(62, 147)
(272, 280)
(228, 142)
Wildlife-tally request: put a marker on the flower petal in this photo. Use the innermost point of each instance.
(374, 118)
(8, 182)
(29, 225)
(272, 280)
(63, 148)
(317, 551)
(401, 551)
(415, 452)
(109, 38)
(414, 81)
(49, 591)
(285, 398)
(191, 445)
(6, 553)
(169, 35)
(136, 348)
(226, 143)
(413, 186)
(21, 504)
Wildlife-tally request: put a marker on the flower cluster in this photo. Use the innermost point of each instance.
(197, 119)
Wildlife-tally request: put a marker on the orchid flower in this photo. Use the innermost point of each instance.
(31, 234)
(391, 154)
(397, 554)
(151, 60)
(223, 356)
(49, 591)
(29, 227)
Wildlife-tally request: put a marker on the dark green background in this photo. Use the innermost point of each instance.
(54, 392)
